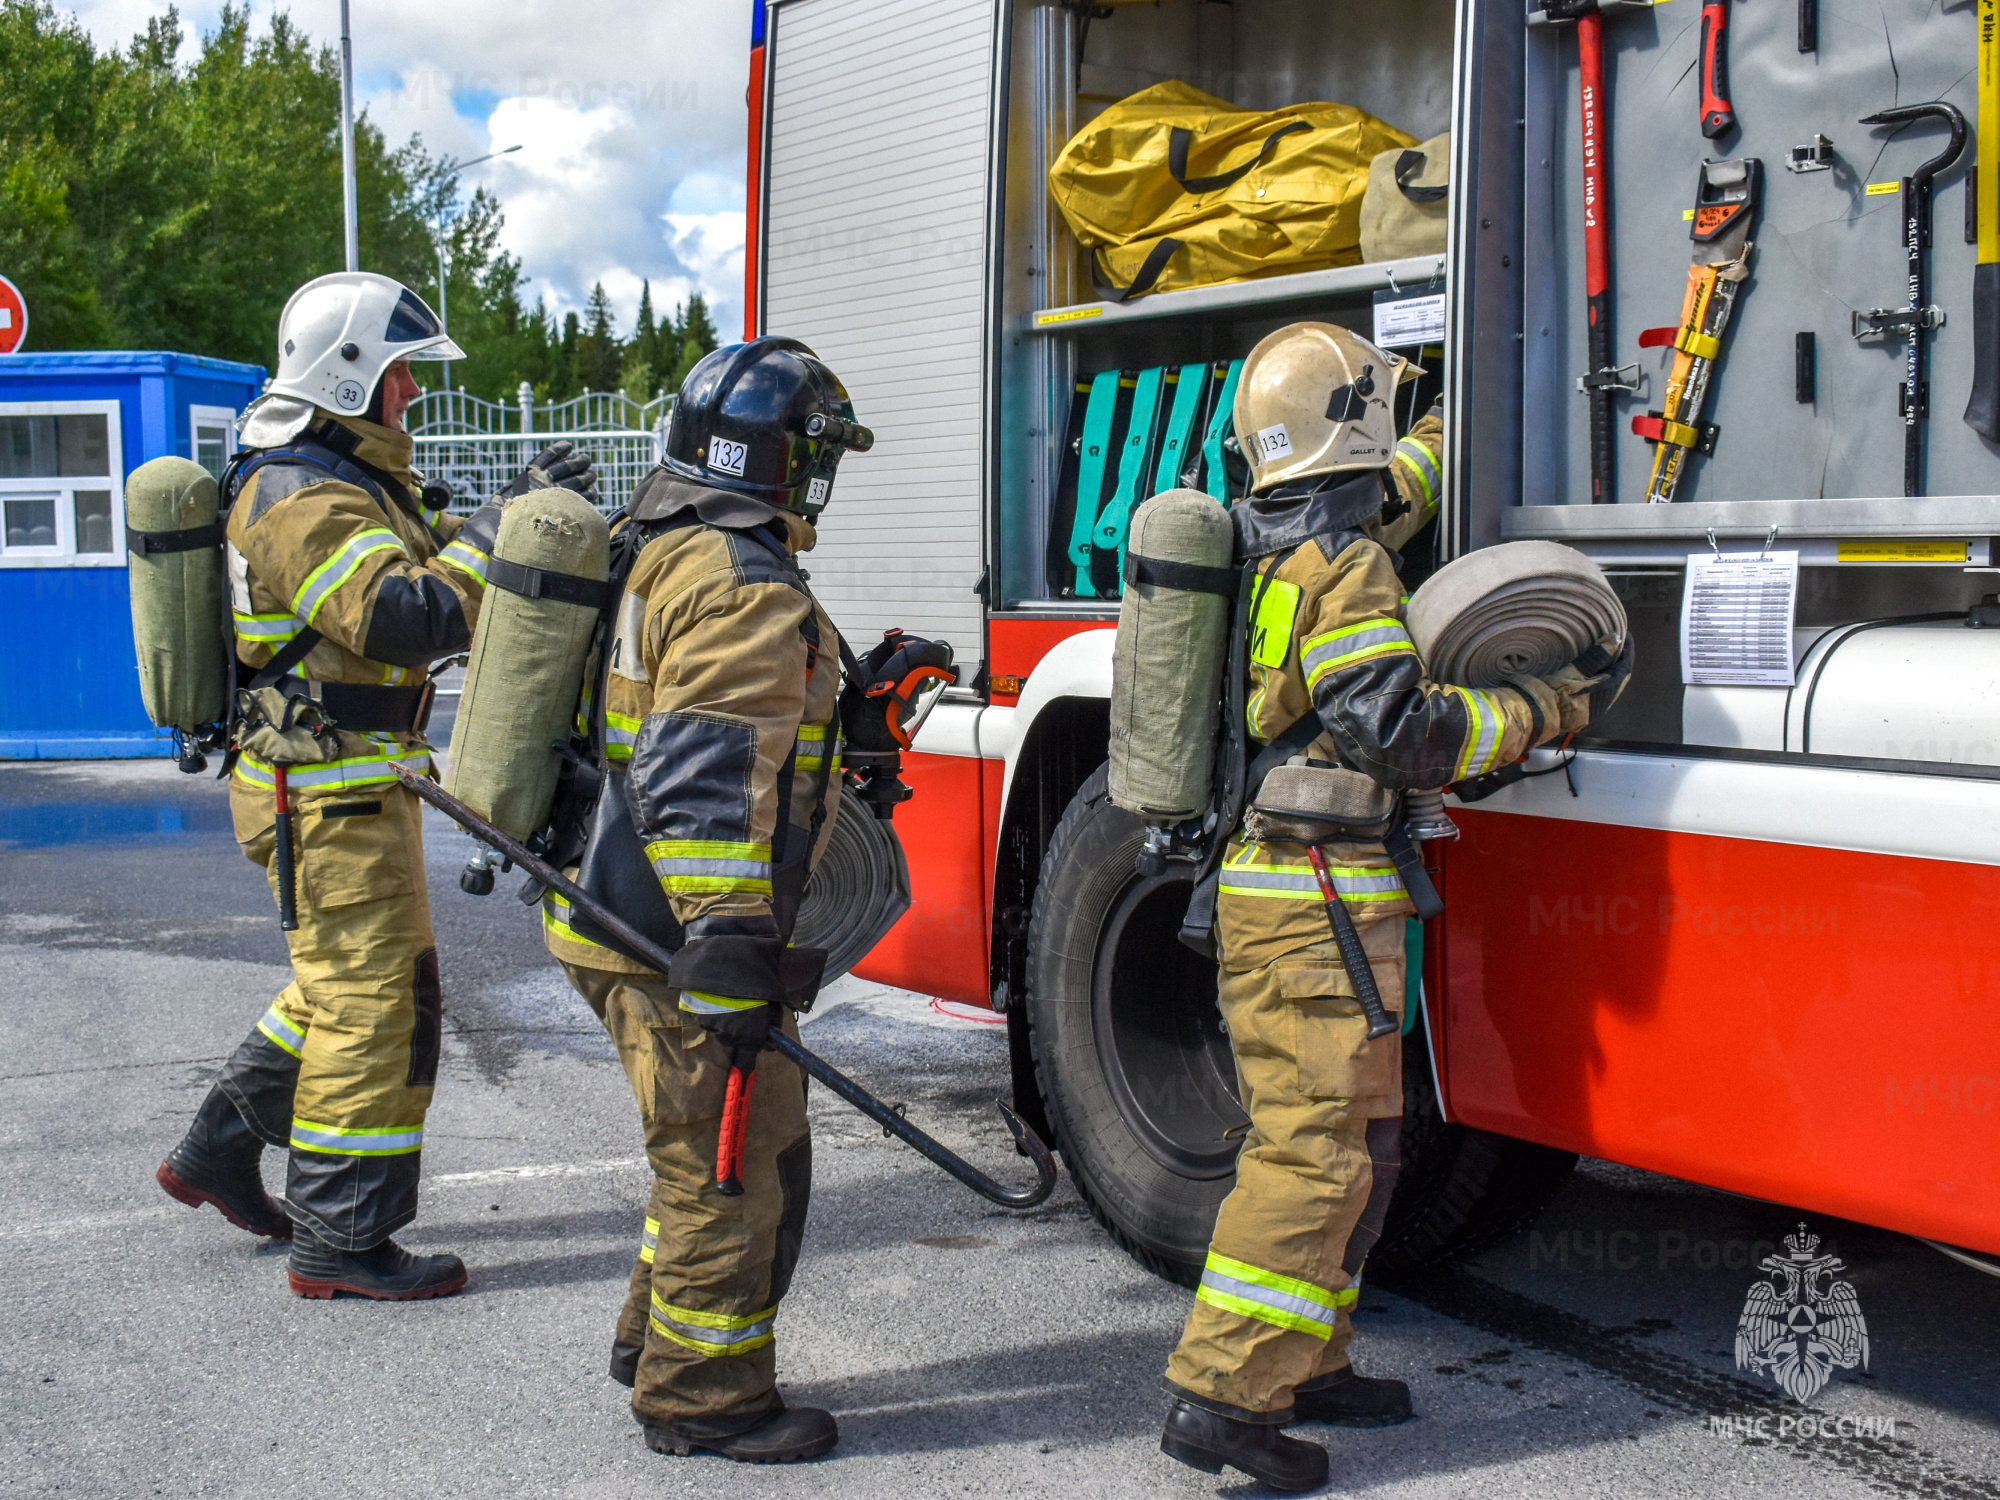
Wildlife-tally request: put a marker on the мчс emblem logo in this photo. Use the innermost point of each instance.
(1802, 1324)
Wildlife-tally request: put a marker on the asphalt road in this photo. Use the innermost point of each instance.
(151, 1349)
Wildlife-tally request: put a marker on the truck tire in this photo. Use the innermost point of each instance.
(1135, 1072)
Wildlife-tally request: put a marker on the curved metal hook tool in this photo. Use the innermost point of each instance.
(651, 954)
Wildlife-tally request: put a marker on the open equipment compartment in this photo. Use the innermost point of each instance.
(1395, 63)
(1809, 452)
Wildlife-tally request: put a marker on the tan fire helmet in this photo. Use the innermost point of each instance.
(1315, 398)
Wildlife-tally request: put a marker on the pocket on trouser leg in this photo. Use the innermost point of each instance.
(346, 857)
(1337, 1060)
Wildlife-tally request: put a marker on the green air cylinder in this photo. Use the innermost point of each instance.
(526, 667)
(1166, 665)
(178, 623)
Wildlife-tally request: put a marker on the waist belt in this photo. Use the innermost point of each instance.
(367, 708)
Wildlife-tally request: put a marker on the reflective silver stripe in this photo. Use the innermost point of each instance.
(465, 556)
(649, 1240)
(340, 567)
(276, 628)
(359, 770)
(1417, 455)
(396, 1140)
(1352, 643)
(713, 1333)
(1482, 745)
(1354, 882)
(699, 1004)
(741, 869)
(1302, 1308)
(283, 1032)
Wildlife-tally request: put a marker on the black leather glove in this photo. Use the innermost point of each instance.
(875, 713)
(561, 465)
(1611, 681)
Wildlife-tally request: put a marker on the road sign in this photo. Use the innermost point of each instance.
(13, 317)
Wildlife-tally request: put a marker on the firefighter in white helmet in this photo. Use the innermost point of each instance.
(1334, 671)
(348, 581)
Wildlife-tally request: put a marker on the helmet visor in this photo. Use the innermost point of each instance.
(414, 331)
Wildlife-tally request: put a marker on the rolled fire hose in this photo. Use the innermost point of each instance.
(1521, 609)
(859, 888)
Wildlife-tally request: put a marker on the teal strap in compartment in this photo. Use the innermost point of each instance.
(1095, 447)
(1173, 451)
(1218, 429)
(1110, 533)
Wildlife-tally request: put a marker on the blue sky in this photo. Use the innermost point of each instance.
(630, 116)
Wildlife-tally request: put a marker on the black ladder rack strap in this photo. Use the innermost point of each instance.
(158, 543)
(543, 583)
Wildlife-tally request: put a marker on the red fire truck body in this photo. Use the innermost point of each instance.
(1766, 965)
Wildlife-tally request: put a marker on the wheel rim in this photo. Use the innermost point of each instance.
(1160, 1042)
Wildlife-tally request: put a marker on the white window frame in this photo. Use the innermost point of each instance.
(63, 489)
(212, 416)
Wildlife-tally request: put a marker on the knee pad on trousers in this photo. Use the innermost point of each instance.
(1385, 1156)
(260, 1079)
(795, 1166)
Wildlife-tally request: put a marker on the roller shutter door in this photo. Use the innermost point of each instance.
(875, 254)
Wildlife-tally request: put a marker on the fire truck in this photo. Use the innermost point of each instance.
(1739, 934)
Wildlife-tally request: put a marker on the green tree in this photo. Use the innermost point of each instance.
(639, 376)
(599, 354)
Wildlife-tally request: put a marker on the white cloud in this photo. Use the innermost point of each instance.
(630, 114)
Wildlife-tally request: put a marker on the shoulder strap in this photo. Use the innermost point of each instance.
(293, 652)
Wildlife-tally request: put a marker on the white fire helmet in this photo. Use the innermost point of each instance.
(339, 333)
(1315, 398)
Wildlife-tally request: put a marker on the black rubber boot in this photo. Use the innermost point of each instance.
(1349, 1400)
(216, 1162)
(625, 1363)
(784, 1437)
(1207, 1440)
(387, 1272)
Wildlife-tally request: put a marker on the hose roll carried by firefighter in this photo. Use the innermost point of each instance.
(1166, 665)
(174, 533)
(545, 589)
(1521, 609)
(858, 890)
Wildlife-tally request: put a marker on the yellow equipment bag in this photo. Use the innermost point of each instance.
(1175, 188)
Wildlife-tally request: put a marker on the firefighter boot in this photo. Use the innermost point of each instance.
(386, 1272)
(625, 1363)
(788, 1436)
(1206, 1440)
(1346, 1399)
(216, 1162)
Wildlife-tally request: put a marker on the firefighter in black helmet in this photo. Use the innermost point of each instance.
(720, 715)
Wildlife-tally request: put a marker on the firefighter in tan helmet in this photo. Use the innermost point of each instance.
(1335, 673)
(719, 727)
(348, 580)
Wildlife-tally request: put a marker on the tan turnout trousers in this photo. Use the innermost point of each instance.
(1316, 1170)
(711, 1269)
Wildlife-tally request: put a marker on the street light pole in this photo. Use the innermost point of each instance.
(350, 200)
(451, 170)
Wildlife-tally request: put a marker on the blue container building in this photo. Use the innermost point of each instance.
(72, 427)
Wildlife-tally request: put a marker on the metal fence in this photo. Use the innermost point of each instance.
(479, 446)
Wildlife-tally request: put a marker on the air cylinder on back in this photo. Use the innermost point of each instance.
(1166, 666)
(526, 669)
(177, 587)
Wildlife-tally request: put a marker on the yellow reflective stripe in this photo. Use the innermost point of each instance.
(1415, 455)
(282, 1032)
(709, 865)
(1335, 649)
(809, 750)
(716, 1005)
(621, 733)
(340, 567)
(649, 1240)
(559, 925)
(1482, 743)
(355, 770)
(714, 1334)
(1283, 1301)
(466, 558)
(276, 629)
(341, 1140)
(395, 676)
